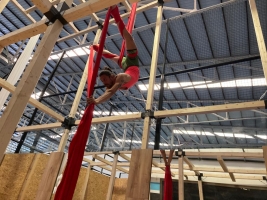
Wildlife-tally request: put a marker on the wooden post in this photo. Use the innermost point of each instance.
(112, 177)
(153, 70)
(49, 176)
(259, 35)
(138, 186)
(77, 99)
(200, 189)
(181, 177)
(265, 156)
(18, 68)
(19, 99)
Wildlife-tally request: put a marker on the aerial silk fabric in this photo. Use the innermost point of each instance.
(167, 184)
(129, 27)
(67, 186)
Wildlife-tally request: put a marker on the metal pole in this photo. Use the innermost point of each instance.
(105, 130)
(161, 93)
(175, 73)
(23, 137)
(132, 137)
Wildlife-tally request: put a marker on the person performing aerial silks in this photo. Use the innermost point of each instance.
(129, 64)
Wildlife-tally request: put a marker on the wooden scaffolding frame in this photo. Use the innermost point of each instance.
(21, 93)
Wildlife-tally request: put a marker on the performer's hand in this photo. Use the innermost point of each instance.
(91, 100)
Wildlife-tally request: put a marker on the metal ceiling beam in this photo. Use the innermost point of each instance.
(177, 72)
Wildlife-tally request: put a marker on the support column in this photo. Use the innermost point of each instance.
(112, 177)
(18, 68)
(77, 99)
(200, 188)
(265, 156)
(105, 130)
(20, 98)
(153, 70)
(138, 186)
(259, 35)
(23, 137)
(161, 93)
(181, 175)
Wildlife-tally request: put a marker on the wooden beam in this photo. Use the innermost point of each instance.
(20, 98)
(224, 154)
(200, 190)
(93, 28)
(3, 5)
(70, 15)
(49, 176)
(153, 70)
(23, 33)
(33, 8)
(191, 165)
(127, 5)
(219, 169)
(43, 5)
(125, 157)
(259, 35)
(217, 175)
(181, 178)
(162, 168)
(6, 85)
(88, 8)
(110, 163)
(112, 177)
(215, 154)
(211, 109)
(29, 17)
(225, 169)
(38, 127)
(265, 156)
(18, 69)
(77, 99)
(138, 185)
(91, 164)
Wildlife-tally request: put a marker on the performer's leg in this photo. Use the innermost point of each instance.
(106, 53)
(130, 45)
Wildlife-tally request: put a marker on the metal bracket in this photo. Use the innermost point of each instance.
(180, 153)
(100, 24)
(147, 113)
(68, 123)
(116, 152)
(160, 2)
(56, 13)
(199, 176)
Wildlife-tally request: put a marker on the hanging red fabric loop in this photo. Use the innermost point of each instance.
(129, 27)
(67, 186)
(167, 184)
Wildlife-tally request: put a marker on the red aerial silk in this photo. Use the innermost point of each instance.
(129, 27)
(167, 184)
(67, 186)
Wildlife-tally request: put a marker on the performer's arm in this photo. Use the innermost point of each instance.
(120, 80)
